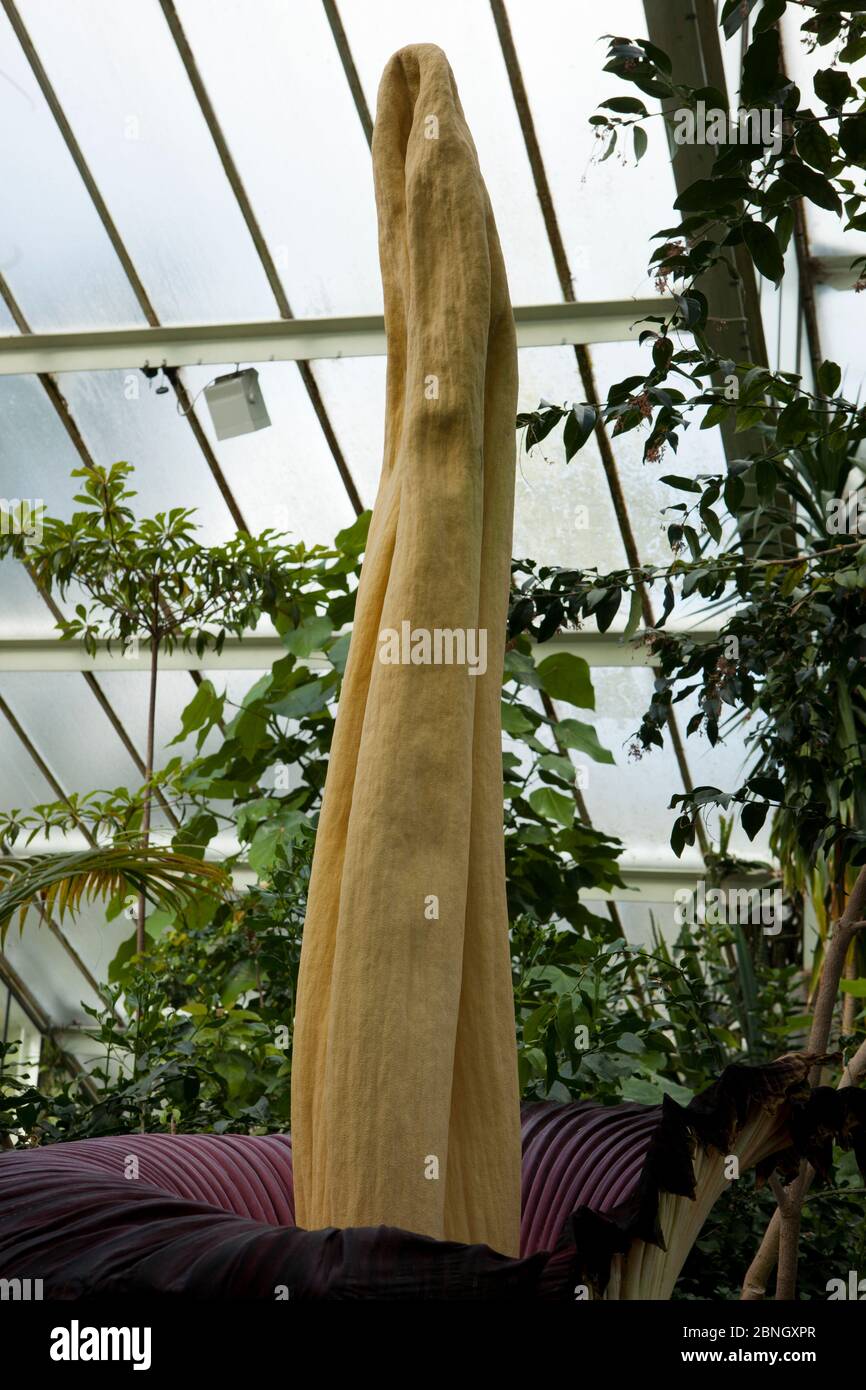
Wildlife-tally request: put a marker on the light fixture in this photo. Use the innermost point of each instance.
(236, 404)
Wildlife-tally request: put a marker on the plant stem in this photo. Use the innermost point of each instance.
(819, 1037)
(834, 964)
(789, 1206)
(148, 768)
(763, 1264)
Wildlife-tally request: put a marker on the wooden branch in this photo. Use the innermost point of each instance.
(762, 1266)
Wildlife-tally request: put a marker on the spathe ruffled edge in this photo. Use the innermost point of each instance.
(808, 1121)
(85, 1233)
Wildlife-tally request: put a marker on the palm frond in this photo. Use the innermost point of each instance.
(60, 883)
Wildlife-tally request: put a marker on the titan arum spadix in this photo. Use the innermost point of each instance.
(405, 1107)
(407, 1133)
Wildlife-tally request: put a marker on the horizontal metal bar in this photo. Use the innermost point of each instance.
(656, 879)
(259, 653)
(835, 271)
(661, 882)
(296, 340)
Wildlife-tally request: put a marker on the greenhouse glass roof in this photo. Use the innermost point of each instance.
(188, 185)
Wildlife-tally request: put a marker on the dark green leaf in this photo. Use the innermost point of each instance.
(734, 14)
(706, 194)
(753, 815)
(764, 249)
(829, 378)
(813, 186)
(784, 228)
(734, 492)
(681, 484)
(760, 68)
(833, 87)
(767, 786)
(815, 146)
(771, 12)
(852, 137)
(579, 425)
(627, 106)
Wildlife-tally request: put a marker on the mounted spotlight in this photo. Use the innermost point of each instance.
(236, 404)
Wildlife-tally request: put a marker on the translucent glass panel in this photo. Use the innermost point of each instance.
(36, 460)
(840, 325)
(353, 389)
(15, 1026)
(700, 451)
(826, 229)
(54, 251)
(69, 729)
(607, 211)
(22, 612)
(281, 95)
(284, 476)
(49, 971)
(121, 417)
(468, 37)
(783, 326)
(638, 917)
(54, 979)
(631, 800)
(128, 692)
(563, 511)
(96, 940)
(36, 454)
(22, 784)
(126, 95)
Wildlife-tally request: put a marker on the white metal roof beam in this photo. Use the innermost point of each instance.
(655, 878)
(259, 653)
(296, 340)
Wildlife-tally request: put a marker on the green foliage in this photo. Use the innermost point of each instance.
(61, 882)
(807, 149)
(211, 1006)
(775, 546)
(148, 579)
(208, 1045)
(832, 1238)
